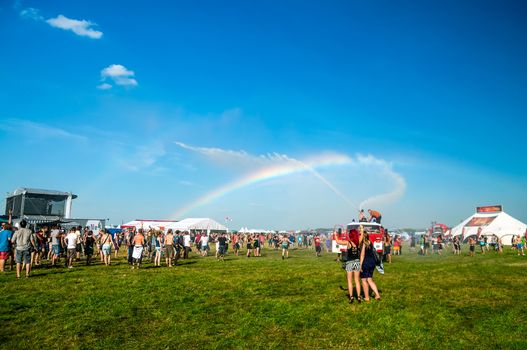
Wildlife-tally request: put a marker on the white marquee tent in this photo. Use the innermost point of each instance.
(148, 224)
(196, 224)
(499, 224)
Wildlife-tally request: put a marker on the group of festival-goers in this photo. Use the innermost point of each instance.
(29, 248)
(437, 244)
(59, 246)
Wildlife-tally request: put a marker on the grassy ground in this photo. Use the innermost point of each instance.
(446, 302)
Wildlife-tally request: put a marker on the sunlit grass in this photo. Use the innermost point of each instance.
(428, 302)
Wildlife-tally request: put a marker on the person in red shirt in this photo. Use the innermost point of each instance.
(374, 214)
(318, 248)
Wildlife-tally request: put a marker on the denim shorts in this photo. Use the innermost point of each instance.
(22, 255)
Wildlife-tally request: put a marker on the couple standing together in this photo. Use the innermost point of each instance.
(360, 263)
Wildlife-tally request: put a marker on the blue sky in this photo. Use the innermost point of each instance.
(142, 110)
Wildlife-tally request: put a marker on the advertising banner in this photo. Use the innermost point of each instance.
(480, 221)
(490, 209)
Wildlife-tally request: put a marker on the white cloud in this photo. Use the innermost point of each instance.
(238, 158)
(104, 86)
(79, 27)
(31, 13)
(40, 130)
(119, 74)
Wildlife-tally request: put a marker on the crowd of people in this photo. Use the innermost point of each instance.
(69, 247)
(437, 244)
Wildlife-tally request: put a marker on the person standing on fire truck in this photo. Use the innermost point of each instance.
(374, 214)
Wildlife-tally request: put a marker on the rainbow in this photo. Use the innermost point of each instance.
(263, 174)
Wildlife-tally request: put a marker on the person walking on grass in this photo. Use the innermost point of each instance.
(222, 247)
(139, 243)
(457, 245)
(97, 236)
(318, 245)
(249, 245)
(204, 245)
(5, 244)
(256, 245)
(40, 243)
(169, 247)
(472, 246)
(186, 244)
(55, 245)
(22, 240)
(426, 239)
(352, 264)
(367, 264)
(236, 244)
(116, 241)
(178, 245)
(89, 242)
(106, 244)
(285, 247)
(519, 245)
(71, 246)
(499, 246)
(158, 246)
(78, 248)
(387, 243)
(129, 239)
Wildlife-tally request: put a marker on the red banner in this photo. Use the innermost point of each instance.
(490, 209)
(481, 221)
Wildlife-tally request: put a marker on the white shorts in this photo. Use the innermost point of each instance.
(138, 252)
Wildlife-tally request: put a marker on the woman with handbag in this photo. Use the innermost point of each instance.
(367, 264)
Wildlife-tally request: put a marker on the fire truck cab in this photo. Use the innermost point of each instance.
(375, 231)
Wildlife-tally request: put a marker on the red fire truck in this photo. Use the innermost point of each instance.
(375, 231)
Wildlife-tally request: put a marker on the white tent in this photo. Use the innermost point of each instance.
(148, 224)
(196, 224)
(499, 224)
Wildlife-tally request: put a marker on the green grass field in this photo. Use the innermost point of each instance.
(445, 302)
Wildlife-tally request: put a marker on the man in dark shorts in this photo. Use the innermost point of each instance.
(318, 248)
(89, 242)
(169, 247)
(472, 244)
(222, 247)
(374, 214)
(129, 238)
